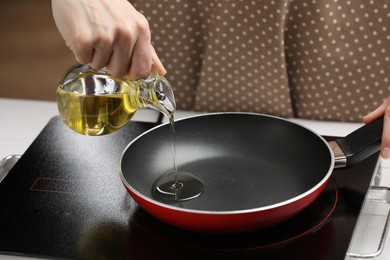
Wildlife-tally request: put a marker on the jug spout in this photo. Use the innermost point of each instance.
(156, 93)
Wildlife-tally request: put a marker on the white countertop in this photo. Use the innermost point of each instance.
(22, 121)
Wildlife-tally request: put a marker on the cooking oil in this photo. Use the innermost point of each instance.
(96, 115)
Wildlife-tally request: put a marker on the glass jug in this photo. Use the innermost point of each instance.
(92, 102)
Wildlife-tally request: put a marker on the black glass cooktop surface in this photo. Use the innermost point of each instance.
(64, 199)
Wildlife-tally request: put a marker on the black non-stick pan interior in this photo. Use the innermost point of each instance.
(246, 161)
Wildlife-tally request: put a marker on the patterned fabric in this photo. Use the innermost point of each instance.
(318, 59)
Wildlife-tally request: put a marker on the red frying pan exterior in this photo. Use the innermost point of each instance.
(228, 222)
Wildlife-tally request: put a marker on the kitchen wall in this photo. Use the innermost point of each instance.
(33, 54)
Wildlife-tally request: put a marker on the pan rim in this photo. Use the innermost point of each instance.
(229, 212)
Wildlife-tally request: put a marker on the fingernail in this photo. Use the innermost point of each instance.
(386, 153)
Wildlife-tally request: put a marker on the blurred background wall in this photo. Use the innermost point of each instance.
(33, 54)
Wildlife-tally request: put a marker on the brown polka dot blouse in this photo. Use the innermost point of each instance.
(318, 59)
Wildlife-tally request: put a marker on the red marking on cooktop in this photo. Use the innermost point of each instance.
(45, 184)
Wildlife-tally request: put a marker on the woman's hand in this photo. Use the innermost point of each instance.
(382, 110)
(108, 33)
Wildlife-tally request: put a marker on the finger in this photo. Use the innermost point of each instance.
(82, 50)
(378, 112)
(141, 60)
(119, 63)
(157, 66)
(101, 55)
(386, 132)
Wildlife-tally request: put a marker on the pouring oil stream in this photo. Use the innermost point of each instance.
(176, 186)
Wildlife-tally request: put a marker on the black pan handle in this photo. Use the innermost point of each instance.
(362, 143)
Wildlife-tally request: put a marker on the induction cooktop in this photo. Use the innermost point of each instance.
(64, 199)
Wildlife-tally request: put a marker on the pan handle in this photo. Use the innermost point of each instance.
(361, 143)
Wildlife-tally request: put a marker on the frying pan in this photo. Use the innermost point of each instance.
(258, 170)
